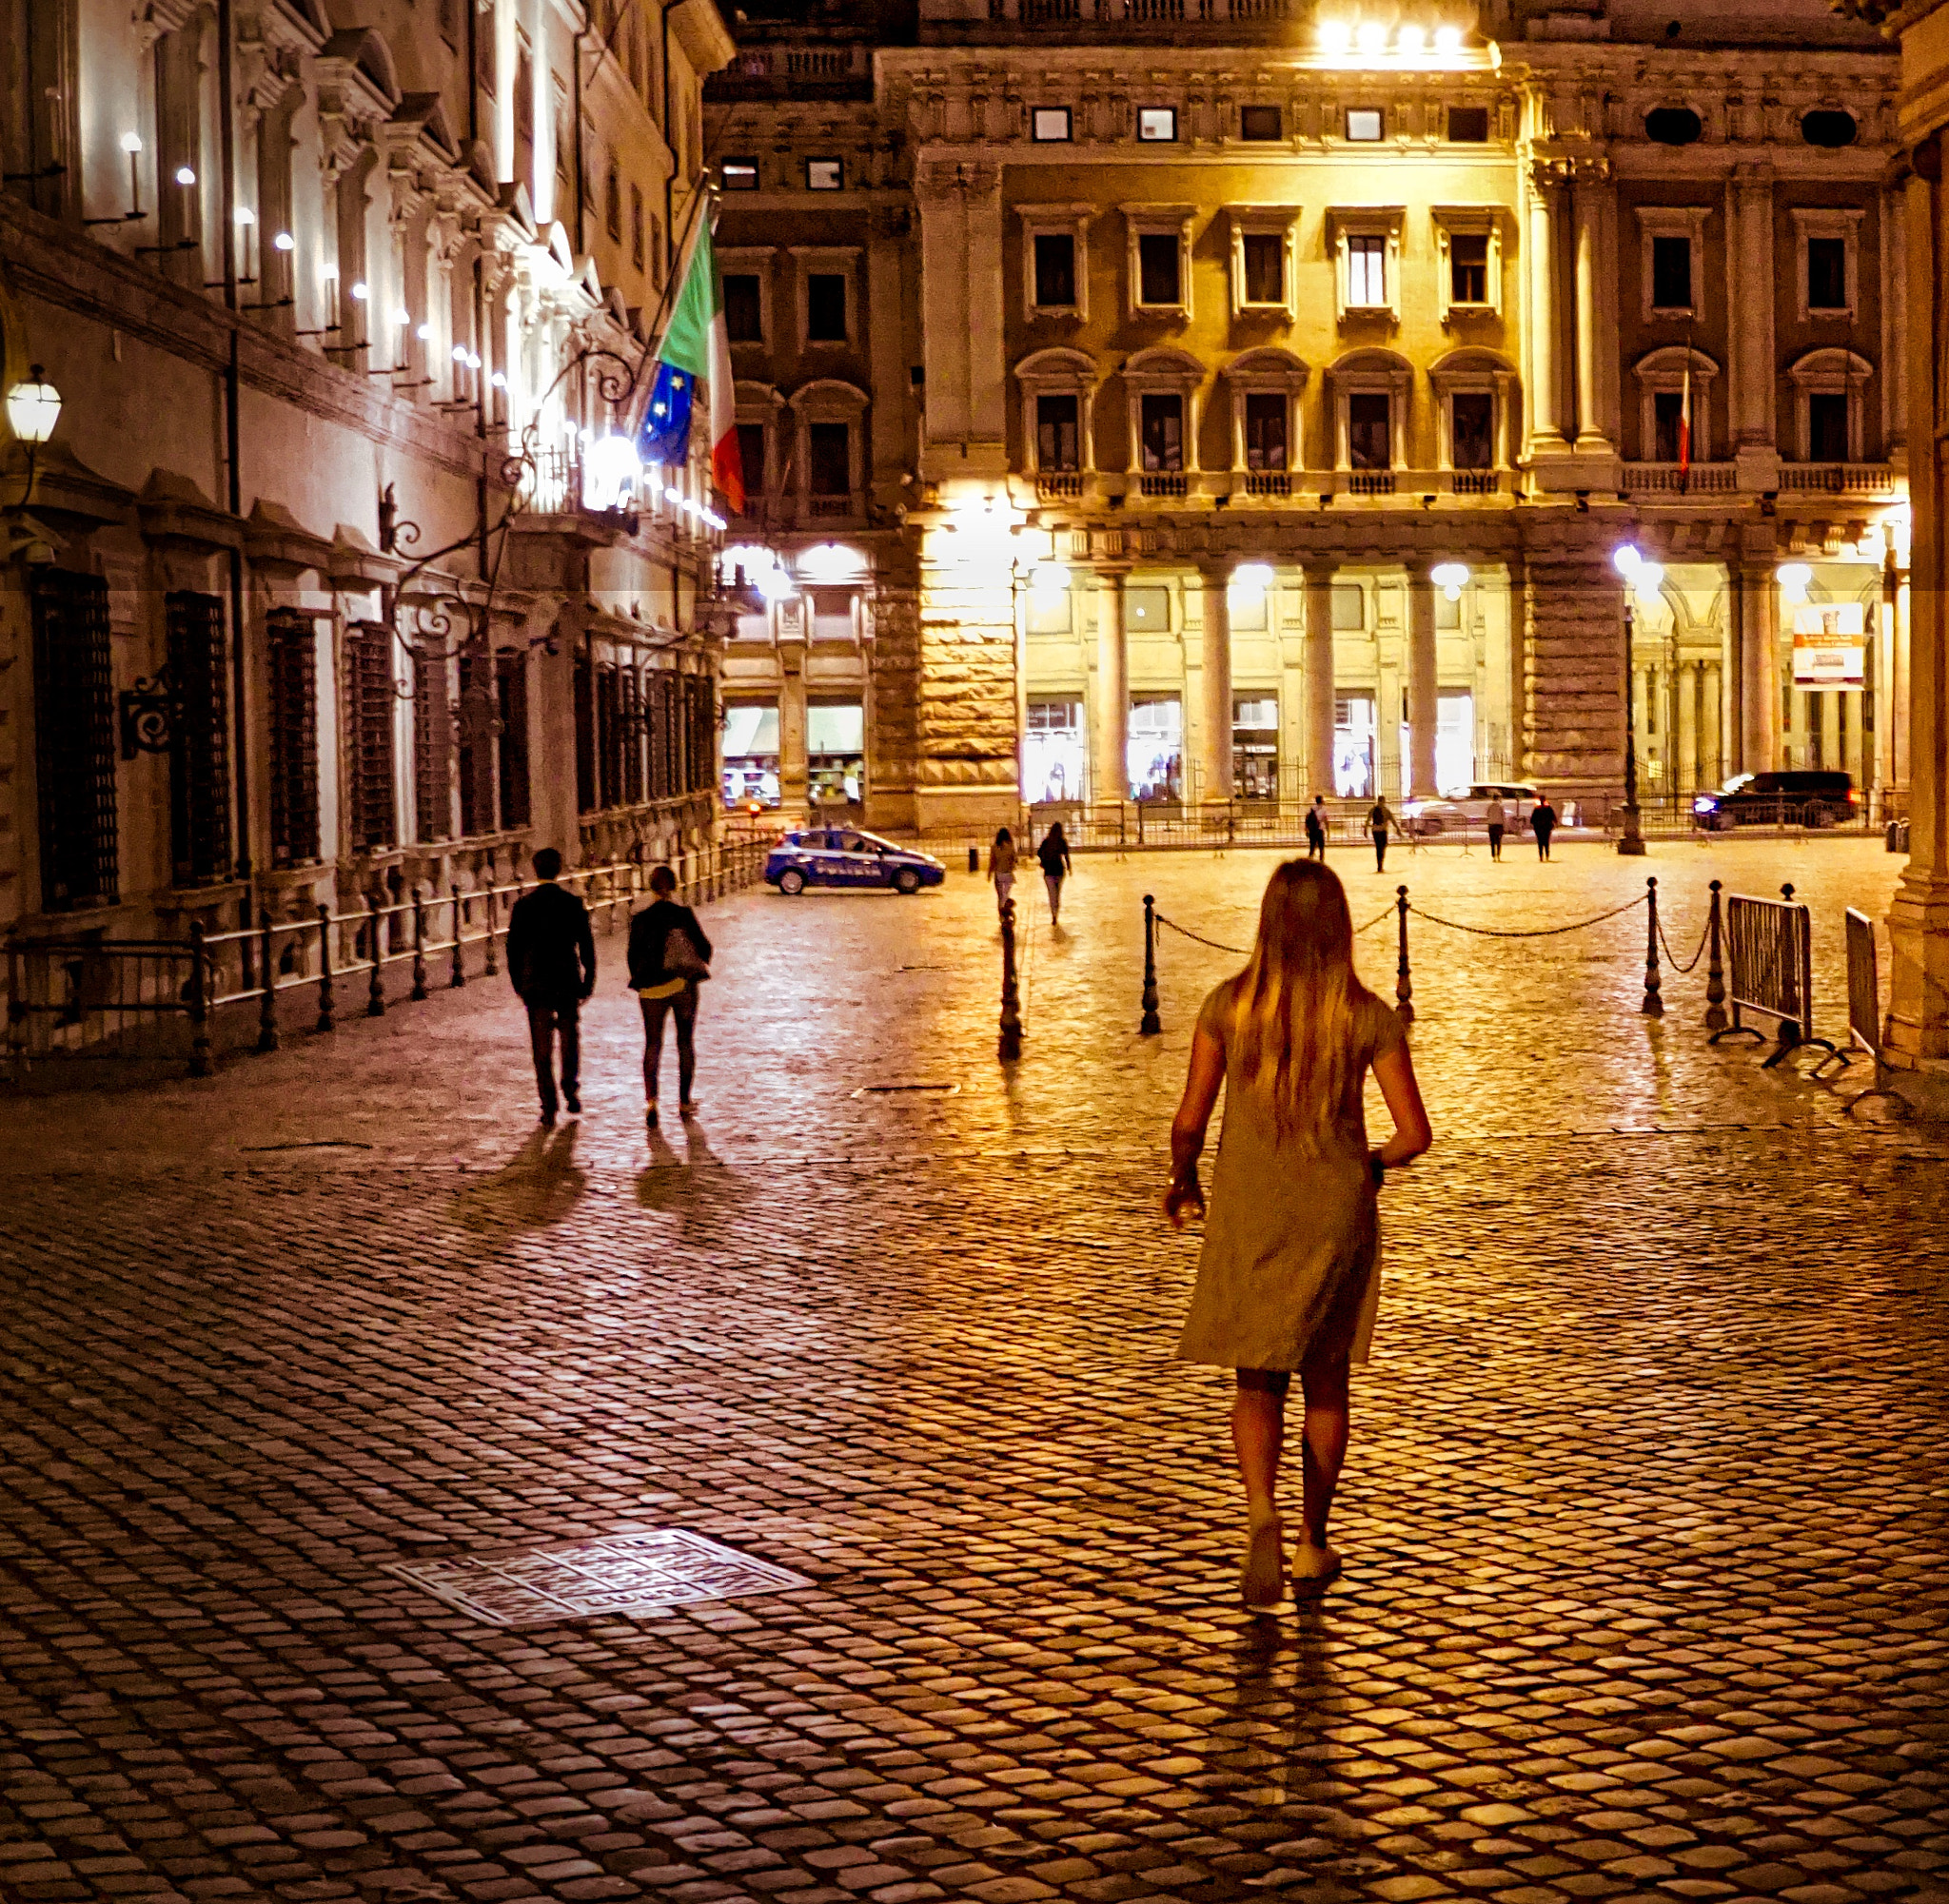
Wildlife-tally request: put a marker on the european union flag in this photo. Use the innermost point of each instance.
(664, 434)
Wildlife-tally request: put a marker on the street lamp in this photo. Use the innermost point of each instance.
(1450, 578)
(1642, 579)
(32, 407)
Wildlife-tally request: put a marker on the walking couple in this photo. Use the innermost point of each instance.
(551, 959)
(1054, 854)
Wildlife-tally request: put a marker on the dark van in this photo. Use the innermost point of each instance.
(1807, 797)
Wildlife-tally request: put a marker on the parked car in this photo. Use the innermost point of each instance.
(845, 857)
(1800, 797)
(1467, 808)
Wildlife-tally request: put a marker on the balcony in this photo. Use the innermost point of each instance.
(1168, 483)
(1368, 481)
(798, 68)
(1875, 479)
(1269, 482)
(1058, 485)
(1141, 15)
(1670, 479)
(1475, 482)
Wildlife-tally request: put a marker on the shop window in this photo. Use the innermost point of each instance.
(1263, 254)
(1157, 268)
(1255, 747)
(511, 703)
(744, 307)
(1161, 427)
(751, 754)
(1259, 123)
(825, 308)
(1454, 738)
(1055, 754)
(292, 644)
(1056, 270)
(1156, 748)
(1369, 440)
(1468, 125)
(371, 815)
(1266, 415)
(1468, 268)
(1365, 125)
(74, 739)
(1353, 744)
(1472, 420)
(1058, 436)
(836, 753)
(200, 745)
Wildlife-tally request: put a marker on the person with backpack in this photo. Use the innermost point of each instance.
(1055, 854)
(1316, 827)
(551, 961)
(669, 958)
(1380, 822)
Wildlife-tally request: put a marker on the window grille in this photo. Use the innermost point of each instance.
(511, 692)
(432, 749)
(200, 742)
(371, 807)
(75, 736)
(474, 747)
(663, 781)
(609, 733)
(632, 736)
(586, 793)
(699, 742)
(293, 656)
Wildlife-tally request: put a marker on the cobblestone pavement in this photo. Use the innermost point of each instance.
(1644, 1515)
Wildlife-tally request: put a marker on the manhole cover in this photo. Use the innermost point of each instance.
(907, 1091)
(626, 1574)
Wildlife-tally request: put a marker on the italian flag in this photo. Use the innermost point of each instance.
(698, 341)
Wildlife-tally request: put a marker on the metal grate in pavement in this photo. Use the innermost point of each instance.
(622, 1575)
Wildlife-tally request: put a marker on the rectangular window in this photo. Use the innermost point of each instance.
(200, 746)
(1350, 610)
(483, 55)
(824, 175)
(292, 642)
(1157, 268)
(612, 201)
(636, 226)
(1161, 427)
(609, 735)
(371, 813)
(744, 307)
(825, 308)
(1369, 441)
(1265, 430)
(476, 751)
(1156, 748)
(1255, 746)
(74, 738)
(1055, 751)
(1365, 123)
(432, 749)
(1667, 407)
(1265, 267)
(828, 461)
(1827, 274)
(1468, 268)
(1472, 422)
(1468, 125)
(1056, 270)
(739, 174)
(1367, 273)
(632, 736)
(1050, 124)
(1827, 427)
(1260, 122)
(1157, 124)
(1671, 274)
(523, 112)
(751, 454)
(511, 703)
(1059, 440)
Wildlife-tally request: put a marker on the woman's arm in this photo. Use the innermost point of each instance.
(1394, 1073)
(1184, 1198)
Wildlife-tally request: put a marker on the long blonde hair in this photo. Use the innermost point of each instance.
(1294, 1005)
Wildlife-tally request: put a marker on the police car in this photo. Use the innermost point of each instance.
(840, 855)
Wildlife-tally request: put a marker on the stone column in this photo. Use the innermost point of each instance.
(1750, 262)
(1110, 758)
(1711, 727)
(793, 769)
(1319, 680)
(1588, 201)
(1687, 697)
(1214, 724)
(1545, 409)
(1421, 696)
(1757, 605)
(1851, 737)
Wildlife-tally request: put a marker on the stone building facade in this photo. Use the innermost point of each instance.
(329, 582)
(1195, 341)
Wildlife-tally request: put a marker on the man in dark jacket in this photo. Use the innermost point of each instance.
(551, 958)
(1542, 822)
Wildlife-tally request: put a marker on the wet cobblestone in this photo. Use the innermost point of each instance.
(1645, 1518)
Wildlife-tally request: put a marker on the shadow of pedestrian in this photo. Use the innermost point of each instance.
(535, 1190)
(691, 1184)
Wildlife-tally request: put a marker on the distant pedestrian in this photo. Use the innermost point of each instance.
(1380, 822)
(1055, 854)
(669, 957)
(1001, 866)
(551, 959)
(1542, 822)
(1498, 818)
(1289, 1274)
(1316, 827)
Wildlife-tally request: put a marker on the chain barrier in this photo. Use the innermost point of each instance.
(1535, 932)
(1244, 952)
(1704, 932)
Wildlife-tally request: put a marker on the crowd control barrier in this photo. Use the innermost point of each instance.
(1864, 1003)
(1770, 951)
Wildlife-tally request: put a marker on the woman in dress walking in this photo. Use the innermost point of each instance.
(668, 955)
(1001, 866)
(1289, 1280)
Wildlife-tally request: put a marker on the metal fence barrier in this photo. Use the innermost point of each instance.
(1864, 1003)
(1770, 954)
(173, 999)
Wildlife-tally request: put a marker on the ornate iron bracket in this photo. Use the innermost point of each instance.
(151, 713)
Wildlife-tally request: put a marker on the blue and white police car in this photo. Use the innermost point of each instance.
(843, 856)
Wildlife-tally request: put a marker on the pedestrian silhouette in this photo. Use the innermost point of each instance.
(551, 960)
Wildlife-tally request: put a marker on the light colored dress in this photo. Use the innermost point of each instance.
(1292, 1239)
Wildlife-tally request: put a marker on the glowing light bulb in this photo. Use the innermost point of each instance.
(1411, 43)
(1373, 38)
(245, 215)
(360, 289)
(1450, 577)
(1625, 560)
(131, 143)
(284, 242)
(1253, 578)
(425, 333)
(185, 175)
(403, 316)
(1447, 40)
(1336, 37)
(460, 355)
(497, 381)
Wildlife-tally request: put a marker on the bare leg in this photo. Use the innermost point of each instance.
(1258, 1435)
(1324, 1438)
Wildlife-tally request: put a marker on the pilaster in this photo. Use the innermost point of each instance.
(1422, 699)
(1214, 724)
(1572, 608)
(1319, 679)
(1109, 753)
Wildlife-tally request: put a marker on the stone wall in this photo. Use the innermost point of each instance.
(966, 708)
(1573, 686)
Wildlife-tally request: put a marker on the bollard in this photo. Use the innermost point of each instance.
(973, 859)
(460, 974)
(492, 963)
(1011, 1044)
(325, 1020)
(419, 946)
(1653, 1005)
(1714, 968)
(198, 1002)
(267, 1005)
(1150, 1024)
(1404, 985)
(1791, 1028)
(375, 985)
